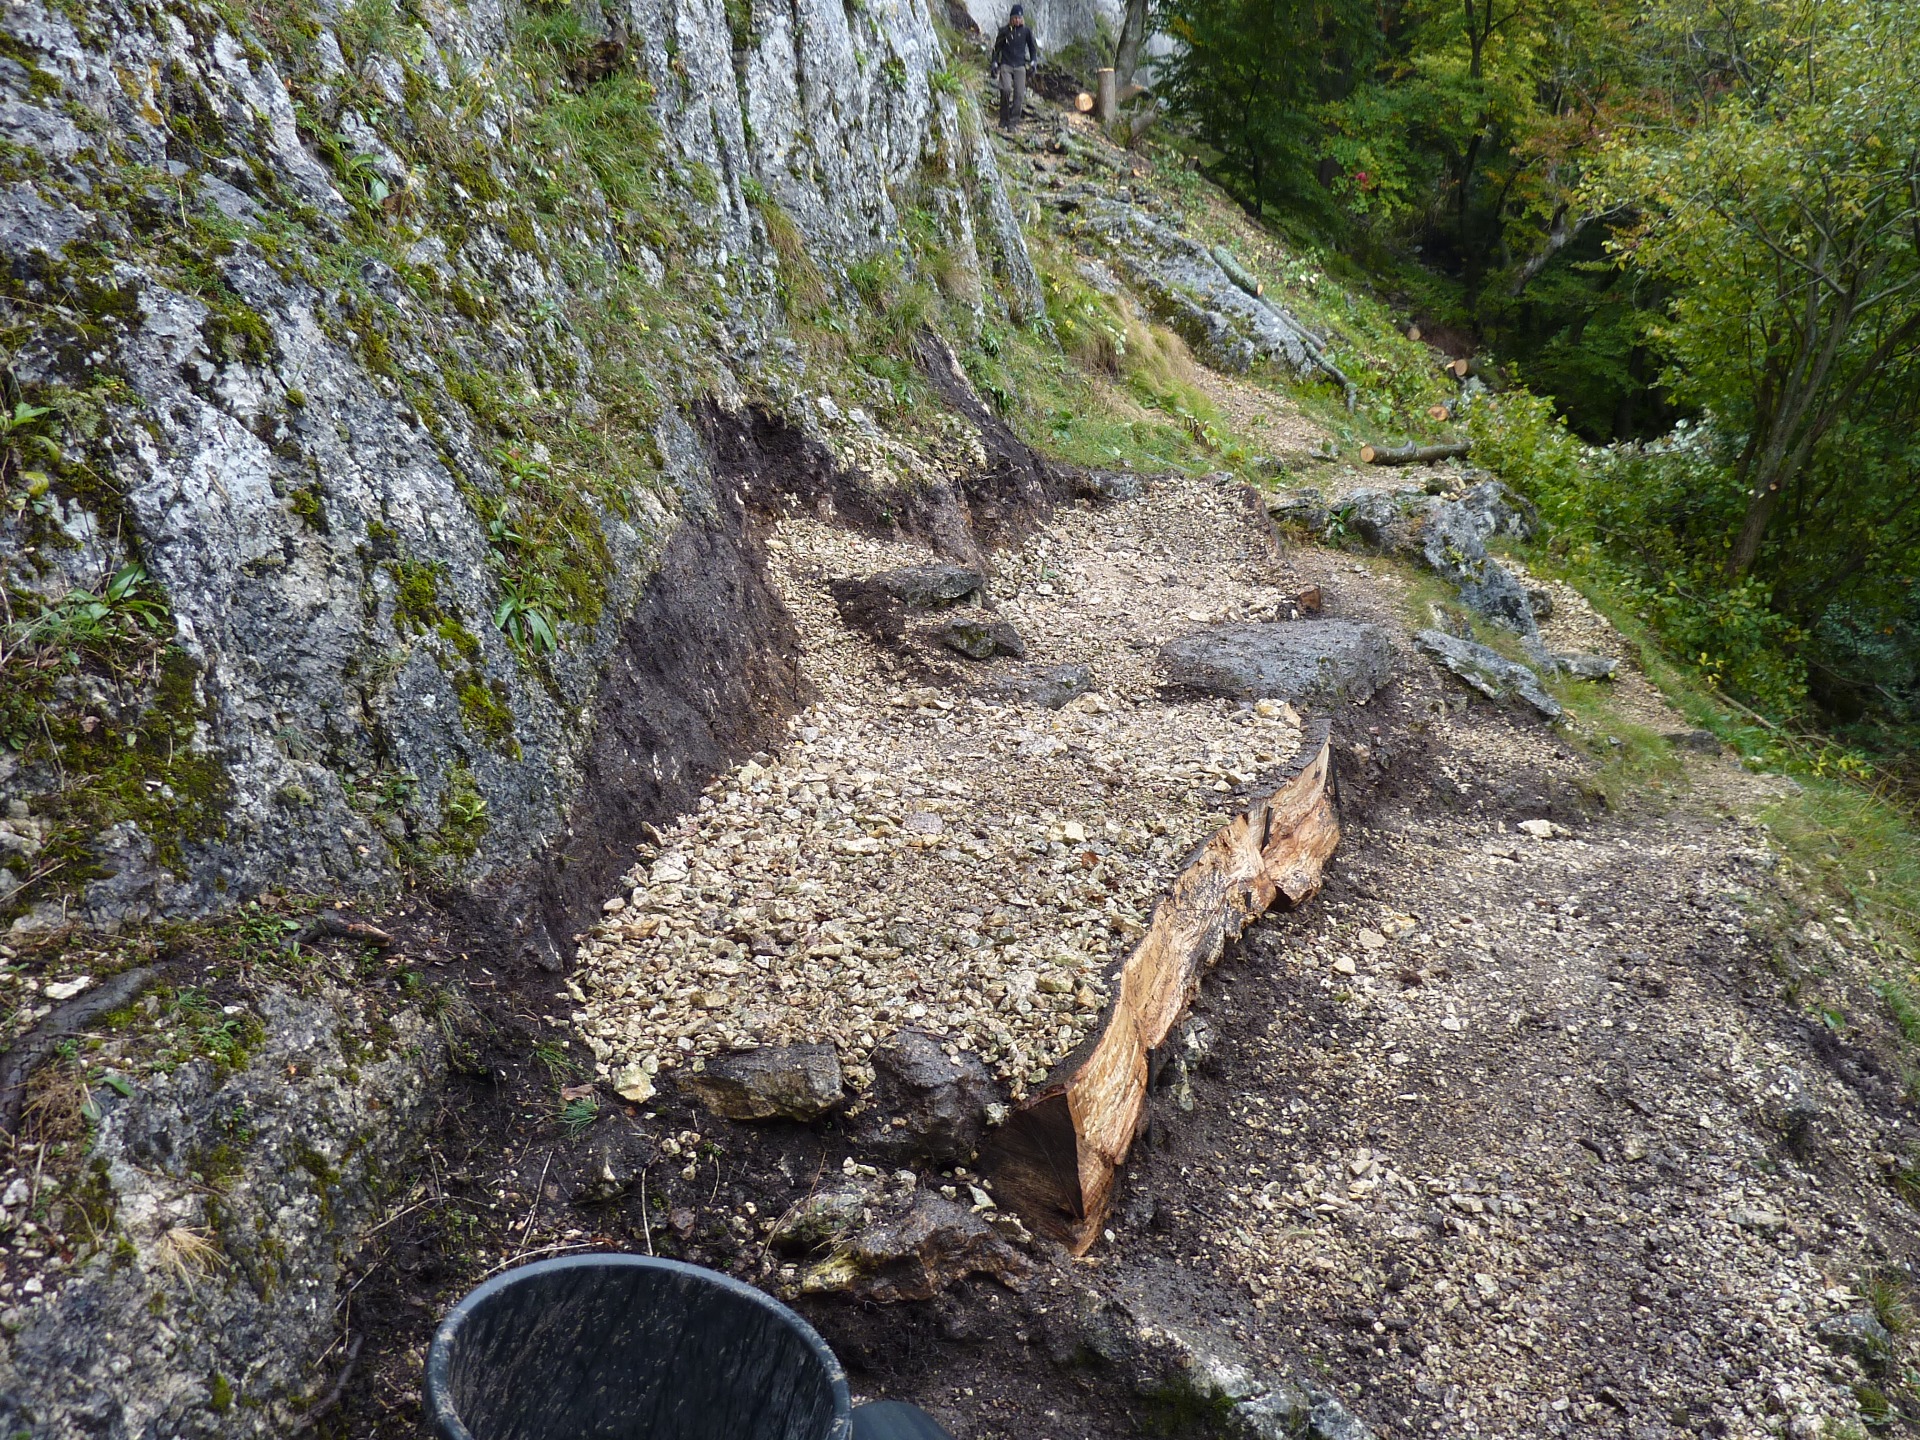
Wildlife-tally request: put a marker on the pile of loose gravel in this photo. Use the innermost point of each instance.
(927, 856)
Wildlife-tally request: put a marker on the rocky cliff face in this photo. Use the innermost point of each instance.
(354, 360)
(392, 392)
(1056, 23)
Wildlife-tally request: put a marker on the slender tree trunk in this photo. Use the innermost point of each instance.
(1133, 36)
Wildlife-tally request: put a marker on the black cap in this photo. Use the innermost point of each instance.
(1017, 12)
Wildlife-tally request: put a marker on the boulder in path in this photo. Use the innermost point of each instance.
(1488, 671)
(916, 1256)
(927, 1104)
(1321, 660)
(981, 638)
(775, 1082)
(1047, 686)
(1587, 667)
(1108, 485)
(930, 587)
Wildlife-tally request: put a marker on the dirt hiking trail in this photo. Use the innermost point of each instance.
(1510, 1133)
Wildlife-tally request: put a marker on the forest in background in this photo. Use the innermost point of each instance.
(1687, 233)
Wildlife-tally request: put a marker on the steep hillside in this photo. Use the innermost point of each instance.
(364, 359)
(618, 617)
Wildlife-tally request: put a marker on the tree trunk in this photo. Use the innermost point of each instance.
(1133, 35)
(1412, 454)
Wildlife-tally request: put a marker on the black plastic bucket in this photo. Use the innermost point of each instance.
(629, 1347)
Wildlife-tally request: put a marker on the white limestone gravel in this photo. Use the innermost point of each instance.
(921, 855)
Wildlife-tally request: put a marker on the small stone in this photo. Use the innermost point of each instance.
(633, 1083)
(821, 1220)
(1587, 667)
(1074, 832)
(1372, 940)
(981, 639)
(67, 989)
(1049, 687)
(1538, 829)
(1760, 1219)
(1856, 1333)
(1704, 741)
(774, 1082)
(1345, 966)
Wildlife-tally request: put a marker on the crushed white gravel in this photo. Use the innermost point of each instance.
(922, 855)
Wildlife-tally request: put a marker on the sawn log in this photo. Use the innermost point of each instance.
(1412, 454)
(1055, 1158)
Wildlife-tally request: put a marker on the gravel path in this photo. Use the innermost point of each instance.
(1520, 1129)
(946, 859)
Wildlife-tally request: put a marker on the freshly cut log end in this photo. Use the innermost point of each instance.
(1055, 1159)
(1083, 102)
(1460, 368)
(1438, 412)
(1413, 454)
(1413, 332)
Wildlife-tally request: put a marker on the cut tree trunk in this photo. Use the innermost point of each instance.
(1107, 105)
(1413, 454)
(1236, 272)
(1055, 1159)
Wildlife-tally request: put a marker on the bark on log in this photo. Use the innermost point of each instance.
(1236, 272)
(1055, 1159)
(1412, 454)
(1106, 106)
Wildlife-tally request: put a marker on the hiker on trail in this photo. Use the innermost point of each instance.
(1014, 51)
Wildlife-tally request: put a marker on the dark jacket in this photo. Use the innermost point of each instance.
(1015, 47)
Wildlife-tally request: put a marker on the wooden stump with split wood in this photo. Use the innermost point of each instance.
(1055, 1159)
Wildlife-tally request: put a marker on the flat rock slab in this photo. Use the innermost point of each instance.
(775, 1082)
(930, 587)
(1488, 671)
(1299, 660)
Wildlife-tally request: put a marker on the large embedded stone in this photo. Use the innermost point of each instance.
(1327, 661)
(926, 1104)
(775, 1082)
(1488, 671)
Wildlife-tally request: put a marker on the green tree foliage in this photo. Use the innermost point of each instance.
(1783, 210)
(1650, 211)
(1252, 74)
